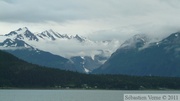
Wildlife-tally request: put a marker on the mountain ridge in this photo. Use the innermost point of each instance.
(25, 41)
(158, 59)
(50, 36)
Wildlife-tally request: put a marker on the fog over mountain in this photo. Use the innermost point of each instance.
(63, 51)
(141, 56)
(61, 44)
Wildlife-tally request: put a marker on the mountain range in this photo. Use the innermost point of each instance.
(140, 56)
(56, 50)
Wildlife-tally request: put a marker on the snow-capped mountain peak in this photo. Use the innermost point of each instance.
(79, 38)
(23, 29)
(48, 34)
(62, 44)
(22, 33)
(136, 41)
(15, 43)
(19, 31)
(52, 36)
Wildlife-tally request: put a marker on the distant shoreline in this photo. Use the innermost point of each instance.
(87, 89)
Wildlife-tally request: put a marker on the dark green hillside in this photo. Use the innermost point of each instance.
(15, 73)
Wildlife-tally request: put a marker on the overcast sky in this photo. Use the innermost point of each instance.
(99, 19)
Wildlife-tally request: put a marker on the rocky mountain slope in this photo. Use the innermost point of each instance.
(140, 56)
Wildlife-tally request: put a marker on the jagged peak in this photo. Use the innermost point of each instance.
(18, 31)
(49, 34)
(81, 39)
(50, 30)
(22, 33)
(15, 43)
(67, 36)
(23, 28)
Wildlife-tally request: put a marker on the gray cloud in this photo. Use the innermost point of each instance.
(103, 19)
(8, 1)
(62, 10)
(53, 10)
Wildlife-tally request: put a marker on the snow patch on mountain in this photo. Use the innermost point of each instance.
(86, 70)
(63, 44)
(132, 42)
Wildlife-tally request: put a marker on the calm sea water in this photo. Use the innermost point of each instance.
(71, 95)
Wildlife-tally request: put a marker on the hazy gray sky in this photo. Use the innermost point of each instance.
(100, 19)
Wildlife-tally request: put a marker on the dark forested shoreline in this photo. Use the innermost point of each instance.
(18, 74)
